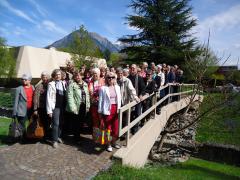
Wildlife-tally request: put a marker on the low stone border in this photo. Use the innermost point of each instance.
(5, 112)
(228, 154)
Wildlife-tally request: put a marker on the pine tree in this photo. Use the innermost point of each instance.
(164, 31)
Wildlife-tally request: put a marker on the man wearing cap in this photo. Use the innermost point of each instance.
(23, 103)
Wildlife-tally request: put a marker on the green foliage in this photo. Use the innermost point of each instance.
(6, 100)
(116, 59)
(190, 170)
(82, 48)
(236, 77)
(107, 54)
(164, 31)
(233, 77)
(7, 61)
(4, 125)
(221, 126)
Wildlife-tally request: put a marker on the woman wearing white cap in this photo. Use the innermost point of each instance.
(23, 104)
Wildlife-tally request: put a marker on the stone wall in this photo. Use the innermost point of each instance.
(228, 154)
(4, 112)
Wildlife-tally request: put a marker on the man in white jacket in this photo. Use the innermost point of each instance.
(128, 92)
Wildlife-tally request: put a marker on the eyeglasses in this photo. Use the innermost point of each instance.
(148, 74)
(111, 77)
(24, 79)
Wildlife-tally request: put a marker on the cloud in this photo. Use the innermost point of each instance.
(4, 31)
(51, 26)
(41, 11)
(17, 12)
(225, 20)
(19, 31)
(237, 45)
(133, 28)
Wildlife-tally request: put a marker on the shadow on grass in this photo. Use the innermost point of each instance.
(6, 140)
(208, 172)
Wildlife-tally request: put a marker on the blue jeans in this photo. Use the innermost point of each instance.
(57, 118)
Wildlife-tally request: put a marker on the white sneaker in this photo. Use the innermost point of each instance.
(60, 141)
(55, 145)
(109, 149)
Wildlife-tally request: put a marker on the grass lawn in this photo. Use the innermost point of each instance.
(4, 125)
(222, 126)
(193, 169)
(6, 99)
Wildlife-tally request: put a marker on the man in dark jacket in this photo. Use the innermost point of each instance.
(150, 88)
(138, 84)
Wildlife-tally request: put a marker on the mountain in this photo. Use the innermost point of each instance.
(102, 42)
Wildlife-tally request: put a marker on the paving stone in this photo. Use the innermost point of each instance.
(41, 161)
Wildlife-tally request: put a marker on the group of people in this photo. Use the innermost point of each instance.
(98, 92)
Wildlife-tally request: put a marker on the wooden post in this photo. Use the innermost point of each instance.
(180, 90)
(120, 122)
(169, 92)
(128, 125)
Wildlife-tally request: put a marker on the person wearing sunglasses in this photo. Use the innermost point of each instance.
(23, 104)
(108, 106)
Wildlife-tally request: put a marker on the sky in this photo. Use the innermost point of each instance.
(39, 23)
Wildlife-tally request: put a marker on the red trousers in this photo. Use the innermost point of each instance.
(111, 121)
(95, 116)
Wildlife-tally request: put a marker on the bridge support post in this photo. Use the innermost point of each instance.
(128, 122)
(169, 92)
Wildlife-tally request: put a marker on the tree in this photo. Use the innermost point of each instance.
(82, 48)
(164, 31)
(107, 54)
(7, 61)
(116, 59)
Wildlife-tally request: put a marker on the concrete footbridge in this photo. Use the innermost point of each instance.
(138, 146)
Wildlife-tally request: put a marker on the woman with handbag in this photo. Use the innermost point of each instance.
(55, 105)
(78, 102)
(23, 104)
(39, 102)
(108, 106)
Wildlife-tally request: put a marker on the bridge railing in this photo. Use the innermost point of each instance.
(174, 92)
